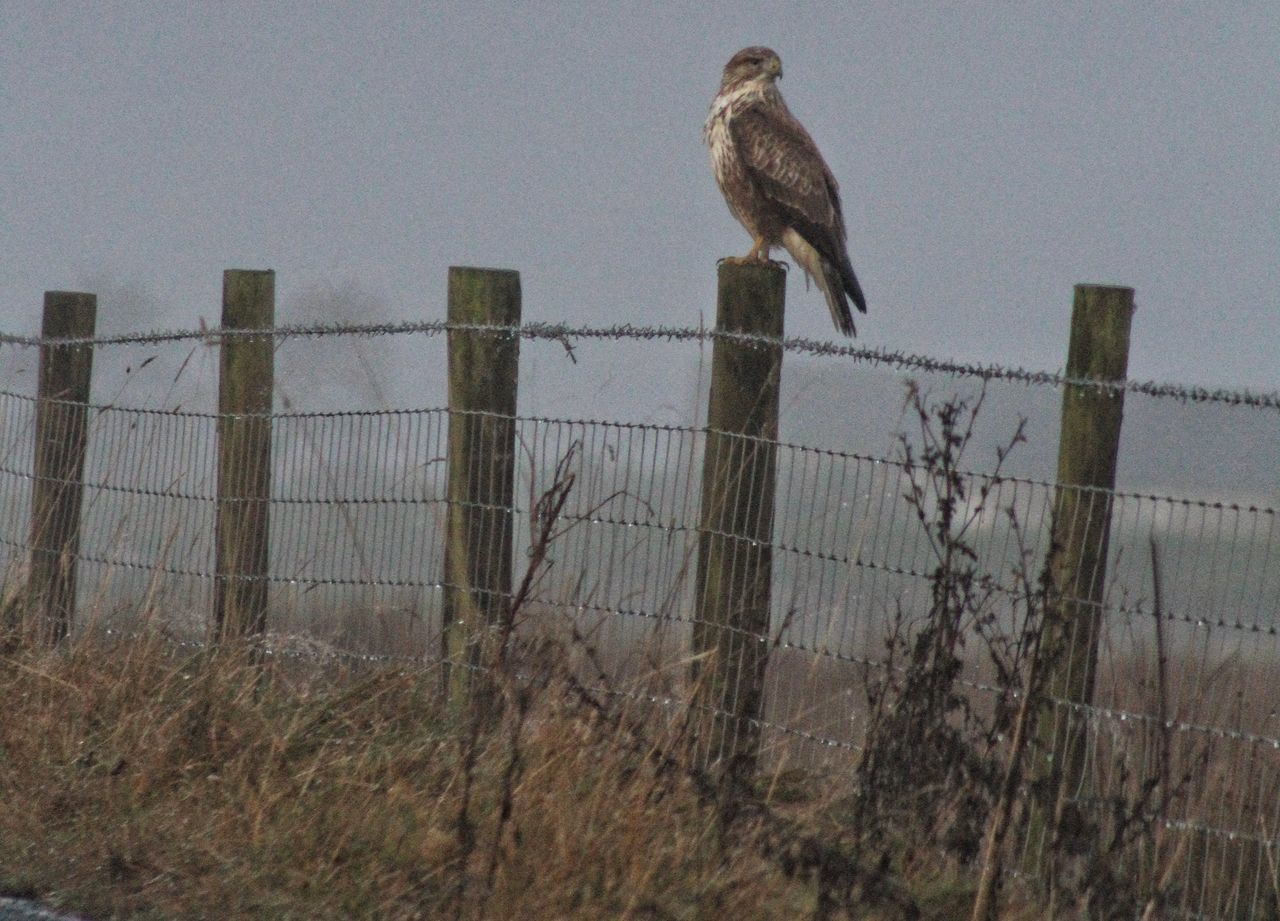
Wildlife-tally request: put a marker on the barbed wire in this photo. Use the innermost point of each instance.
(897, 360)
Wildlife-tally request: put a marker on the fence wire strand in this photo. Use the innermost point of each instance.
(565, 334)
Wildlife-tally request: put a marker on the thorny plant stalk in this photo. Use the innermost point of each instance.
(515, 697)
(509, 694)
(546, 516)
(985, 901)
(1165, 753)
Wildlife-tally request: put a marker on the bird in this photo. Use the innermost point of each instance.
(776, 182)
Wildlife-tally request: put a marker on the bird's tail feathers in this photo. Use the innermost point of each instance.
(850, 283)
(830, 280)
(832, 284)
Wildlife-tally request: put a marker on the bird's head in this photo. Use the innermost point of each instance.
(753, 63)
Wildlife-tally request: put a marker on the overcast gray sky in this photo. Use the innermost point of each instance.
(990, 156)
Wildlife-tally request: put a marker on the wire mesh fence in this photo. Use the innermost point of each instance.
(358, 508)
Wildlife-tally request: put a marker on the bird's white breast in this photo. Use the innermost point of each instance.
(716, 130)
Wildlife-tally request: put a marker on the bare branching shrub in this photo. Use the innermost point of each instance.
(929, 770)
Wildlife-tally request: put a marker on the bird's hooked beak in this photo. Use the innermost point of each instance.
(774, 67)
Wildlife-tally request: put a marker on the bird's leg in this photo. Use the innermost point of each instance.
(758, 253)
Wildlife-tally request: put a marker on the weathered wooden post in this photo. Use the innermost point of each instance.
(61, 436)
(1088, 445)
(245, 384)
(483, 371)
(734, 571)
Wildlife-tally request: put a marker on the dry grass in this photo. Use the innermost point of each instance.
(138, 780)
(140, 783)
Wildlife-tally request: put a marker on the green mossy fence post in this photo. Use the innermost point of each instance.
(61, 435)
(735, 558)
(483, 370)
(245, 385)
(1088, 445)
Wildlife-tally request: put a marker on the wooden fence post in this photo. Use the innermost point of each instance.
(735, 556)
(61, 436)
(245, 383)
(483, 371)
(1088, 445)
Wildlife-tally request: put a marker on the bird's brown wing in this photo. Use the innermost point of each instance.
(784, 164)
(787, 168)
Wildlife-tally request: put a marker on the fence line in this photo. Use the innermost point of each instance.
(355, 567)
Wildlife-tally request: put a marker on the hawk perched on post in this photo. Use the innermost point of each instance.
(775, 181)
